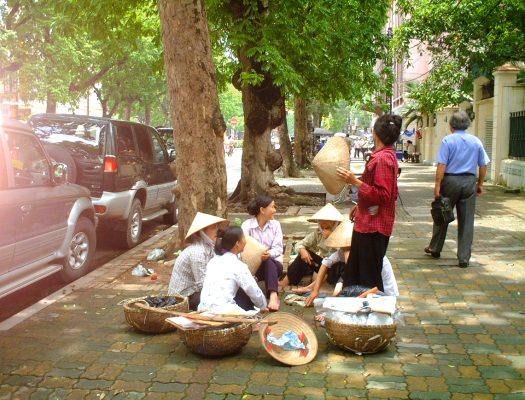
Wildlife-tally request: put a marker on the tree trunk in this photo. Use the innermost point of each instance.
(51, 103)
(285, 146)
(147, 114)
(129, 107)
(302, 141)
(201, 177)
(263, 108)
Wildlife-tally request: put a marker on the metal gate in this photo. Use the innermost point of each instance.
(488, 143)
(517, 134)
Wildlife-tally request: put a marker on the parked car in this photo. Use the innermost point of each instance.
(48, 225)
(125, 165)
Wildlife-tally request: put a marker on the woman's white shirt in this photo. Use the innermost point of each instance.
(225, 274)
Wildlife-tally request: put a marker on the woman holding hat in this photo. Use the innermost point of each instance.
(267, 231)
(229, 287)
(312, 249)
(376, 207)
(190, 267)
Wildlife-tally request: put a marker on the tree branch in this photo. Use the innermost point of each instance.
(81, 87)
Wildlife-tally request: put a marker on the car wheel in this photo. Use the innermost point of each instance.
(80, 252)
(133, 226)
(171, 218)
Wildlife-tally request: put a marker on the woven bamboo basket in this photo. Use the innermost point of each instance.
(150, 319)
(360, 339)
(217, 341)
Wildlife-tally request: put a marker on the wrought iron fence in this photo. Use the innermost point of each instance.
(517, 134)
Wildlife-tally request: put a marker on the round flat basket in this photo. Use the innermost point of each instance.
(150, 319)
(217, 341)
(284, 322)
(360, 339)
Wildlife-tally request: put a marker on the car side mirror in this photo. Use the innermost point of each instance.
(60, 173)
(171, 155)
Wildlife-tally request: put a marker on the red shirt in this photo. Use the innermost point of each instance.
(379, 189)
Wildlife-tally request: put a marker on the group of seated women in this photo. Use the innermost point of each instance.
(211, 274)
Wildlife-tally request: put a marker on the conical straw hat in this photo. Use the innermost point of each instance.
(252, 253)
(201, 221)
(341, 236)
(335, 153)
(284, 322)
(327, 213)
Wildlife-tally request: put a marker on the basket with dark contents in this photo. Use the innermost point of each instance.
(148, 314)
(217, 341)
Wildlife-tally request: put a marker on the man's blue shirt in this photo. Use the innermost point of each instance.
(462, 153)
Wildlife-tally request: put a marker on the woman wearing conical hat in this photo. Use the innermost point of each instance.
(312, 248)
(188, 273)
(341, 239)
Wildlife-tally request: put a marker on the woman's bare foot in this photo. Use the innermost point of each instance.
(302, 289)
(274, 303)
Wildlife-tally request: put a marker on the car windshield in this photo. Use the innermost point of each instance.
(59, 131)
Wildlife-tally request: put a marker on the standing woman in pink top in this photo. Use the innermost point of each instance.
(376, 206)
(267, 231)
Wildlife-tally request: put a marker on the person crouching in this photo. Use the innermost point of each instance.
(312, 248)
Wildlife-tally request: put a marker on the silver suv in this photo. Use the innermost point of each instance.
(124, 165)
(48, 225)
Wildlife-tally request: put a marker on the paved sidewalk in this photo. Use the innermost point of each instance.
(463, 338)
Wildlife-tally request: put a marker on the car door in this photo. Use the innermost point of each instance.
(148, 164)
(43, 208)
(129, 162)
(9, 214)
(165, 179)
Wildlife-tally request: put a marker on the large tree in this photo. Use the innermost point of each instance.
(57, 51)
(201, 175)
(325, 48)
(466, 39)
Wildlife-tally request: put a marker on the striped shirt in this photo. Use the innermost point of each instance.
(190, 267)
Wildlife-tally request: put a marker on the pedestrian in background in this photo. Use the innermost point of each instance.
(411, 151)
(376, 206)
(357, 148)
(460, 156)
(267, 231)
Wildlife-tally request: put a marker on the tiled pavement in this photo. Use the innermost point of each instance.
(463, 335)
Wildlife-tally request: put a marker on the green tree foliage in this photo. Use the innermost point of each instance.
(230, 100)
(341, 114)
(466, 39)
(326, 48)
(63, 49)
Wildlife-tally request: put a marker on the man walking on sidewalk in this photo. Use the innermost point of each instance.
(459, 156)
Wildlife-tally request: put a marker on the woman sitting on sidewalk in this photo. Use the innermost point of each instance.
(229, 287)
(312, 249)
(189, 269)
(341, 239)
(267, 231)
